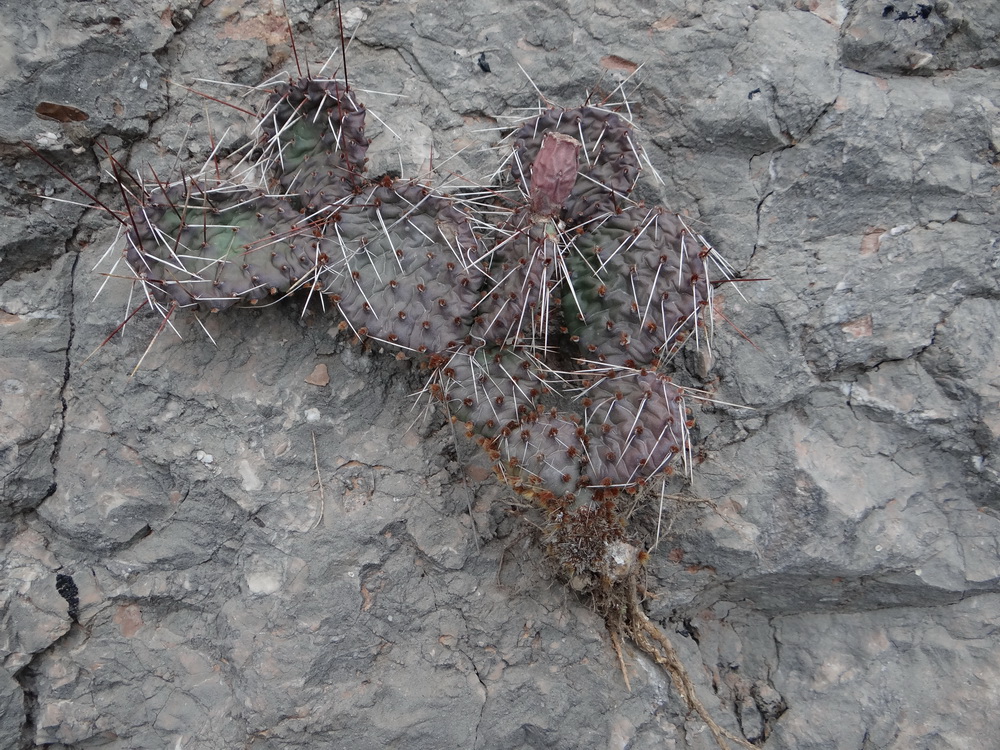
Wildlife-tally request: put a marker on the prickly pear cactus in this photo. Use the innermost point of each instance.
(603, 304)
(546, 327)
(544, 335)
(213, 243)
(491, 390)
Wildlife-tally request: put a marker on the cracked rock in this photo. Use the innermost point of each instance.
(35, 314)
(260, 562)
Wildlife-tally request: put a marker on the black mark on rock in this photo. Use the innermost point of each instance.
(922, 11)
(67, 589)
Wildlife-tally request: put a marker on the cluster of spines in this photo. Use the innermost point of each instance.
(526, 272)
(592, 546)
(609, 161)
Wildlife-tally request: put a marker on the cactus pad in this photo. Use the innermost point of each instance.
(214, 248)
(491, 390)
(405, 268)
(640, 287)
(314, 136)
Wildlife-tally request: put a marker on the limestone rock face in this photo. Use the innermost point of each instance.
(217, 552)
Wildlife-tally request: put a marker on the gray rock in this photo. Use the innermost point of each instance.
(94, 61)
(266, 562)
(910, 663)
(37, 233)
(12, 716)
(915, 37)
(35, 315)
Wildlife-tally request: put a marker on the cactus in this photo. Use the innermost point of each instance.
(630, 428)
(212, 243)
(546, 336)
(490, 390)
(405, 268)
(640, 287)
(631, 425)
(526, 268)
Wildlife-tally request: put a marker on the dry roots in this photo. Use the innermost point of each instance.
(621, 606)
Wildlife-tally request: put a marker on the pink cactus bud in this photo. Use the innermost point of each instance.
(553, 173)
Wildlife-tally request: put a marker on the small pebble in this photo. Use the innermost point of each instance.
(319, 376)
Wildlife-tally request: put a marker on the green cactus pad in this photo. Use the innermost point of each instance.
(313, 137)
(640, 287)
(214, 248)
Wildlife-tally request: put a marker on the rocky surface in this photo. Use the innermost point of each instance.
(261, 543)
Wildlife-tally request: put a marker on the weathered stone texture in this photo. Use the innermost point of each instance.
(830, 576)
